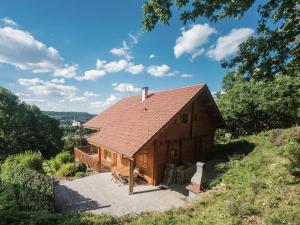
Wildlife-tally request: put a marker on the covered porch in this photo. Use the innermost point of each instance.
(102, 160)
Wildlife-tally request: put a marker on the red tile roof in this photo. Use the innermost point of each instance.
(129, 124)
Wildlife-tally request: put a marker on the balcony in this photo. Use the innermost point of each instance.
(88, 156)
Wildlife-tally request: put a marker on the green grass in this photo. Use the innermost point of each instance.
(257, 188)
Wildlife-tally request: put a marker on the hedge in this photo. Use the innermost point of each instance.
(25, 189)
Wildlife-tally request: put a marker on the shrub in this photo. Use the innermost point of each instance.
(66, 170)
(80, 167)
(29, 159)
(291, 150)
(79, 174)
(24, 189)
(60, 159)
(55, 165)
(70, 142)
(64, 157)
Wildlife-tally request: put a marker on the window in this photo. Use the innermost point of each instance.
(184, 117)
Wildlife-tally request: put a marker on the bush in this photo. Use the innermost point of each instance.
(24, 189)
(80, 167)
(79, 174)
(70, 142)
(60, 159)
(291, 150)
(64, 157)
(66, 170)
(29, 159)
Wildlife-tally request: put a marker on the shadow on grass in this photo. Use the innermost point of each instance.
(222, 154)
(68, 200)
(239, 147)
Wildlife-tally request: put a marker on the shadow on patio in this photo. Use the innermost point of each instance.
(79, 203)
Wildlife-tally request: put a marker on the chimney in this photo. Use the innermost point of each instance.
(144, 93)
(197, 181)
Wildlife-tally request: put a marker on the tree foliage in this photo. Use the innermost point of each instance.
(25, 127)
(274, 48)
(261, 90)
(251, 106)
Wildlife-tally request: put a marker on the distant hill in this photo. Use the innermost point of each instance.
(65, 117)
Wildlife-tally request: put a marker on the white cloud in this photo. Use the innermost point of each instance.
(191, 40)
(58, 81)
(91, 75)
(123, 51)
(198, 53)
(9, 22)
(185, 75)
(135, 69)
(100, 64)
(89, 94)
(48, 88)
(104, 104)
(125, 87)
(23, 95)
(20, 49)
(158, 71)
(174, 73)
(152, 56)
(77, 99)
(34, 100)
(134, 38)
(116, 66)
(228, 44)
(103, 67)
(67, 72)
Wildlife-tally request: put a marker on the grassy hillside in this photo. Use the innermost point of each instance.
(259, 185)
(69, 116)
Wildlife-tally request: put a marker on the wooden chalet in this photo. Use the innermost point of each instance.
(150, 130)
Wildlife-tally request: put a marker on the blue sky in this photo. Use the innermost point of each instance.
(86, 55)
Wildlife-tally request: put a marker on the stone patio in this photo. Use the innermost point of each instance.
(100, 195)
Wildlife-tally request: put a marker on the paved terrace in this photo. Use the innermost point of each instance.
(99, 195)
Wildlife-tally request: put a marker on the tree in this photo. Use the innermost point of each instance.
(275, 48)
(252, 106)
(24, 127)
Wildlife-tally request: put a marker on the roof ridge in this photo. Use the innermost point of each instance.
(179, 88)
(173, 89)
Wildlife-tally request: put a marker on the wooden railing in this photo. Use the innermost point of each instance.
(90, 159)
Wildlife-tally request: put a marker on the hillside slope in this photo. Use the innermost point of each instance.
(259, 185)
(64, 117)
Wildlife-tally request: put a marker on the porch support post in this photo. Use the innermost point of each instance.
(131, 165)
(99, 157)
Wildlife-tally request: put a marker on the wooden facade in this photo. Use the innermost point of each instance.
(187, 137)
